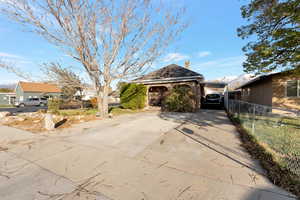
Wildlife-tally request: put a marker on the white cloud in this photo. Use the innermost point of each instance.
(8, 55)
(224, 62)
(204, 54)
(175, 57)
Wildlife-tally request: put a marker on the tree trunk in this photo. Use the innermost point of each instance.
(102, 99)
(105, 100)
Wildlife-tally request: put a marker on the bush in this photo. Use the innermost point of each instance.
(133, 96)
(94, 102)
(181, 99)
(54, 105)
(70, 104)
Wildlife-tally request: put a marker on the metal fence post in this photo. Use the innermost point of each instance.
(253, 120)
(239, 109)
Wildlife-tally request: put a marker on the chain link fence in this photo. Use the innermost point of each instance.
(278, 130)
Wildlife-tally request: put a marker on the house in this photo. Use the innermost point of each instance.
(7, 98)
(25, 90)
(89, 93)
(277, 90)
(86, 94)
(160, 82)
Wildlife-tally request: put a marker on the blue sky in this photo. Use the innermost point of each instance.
(210, 42)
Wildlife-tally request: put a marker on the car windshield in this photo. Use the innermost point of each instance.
(213, 96)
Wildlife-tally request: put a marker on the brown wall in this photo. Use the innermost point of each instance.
(279, 91)
(259, 93)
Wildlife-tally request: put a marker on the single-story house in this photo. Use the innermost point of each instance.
(7, 98)
(160, 82)
(25, 90)
(277, 90)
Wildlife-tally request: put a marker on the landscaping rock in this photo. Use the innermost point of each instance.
(49, 123)
(4, 114)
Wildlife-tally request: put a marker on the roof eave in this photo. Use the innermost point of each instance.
(164, 80)
(260, 78)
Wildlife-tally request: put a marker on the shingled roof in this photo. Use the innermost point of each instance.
(170, 72)
(39, 87)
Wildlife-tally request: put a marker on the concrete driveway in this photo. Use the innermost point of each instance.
(145, 156)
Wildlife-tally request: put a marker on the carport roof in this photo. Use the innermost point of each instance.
(170, 72)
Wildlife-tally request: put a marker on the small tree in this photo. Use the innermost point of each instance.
(133, 96)
(180, 99)
(68, 80)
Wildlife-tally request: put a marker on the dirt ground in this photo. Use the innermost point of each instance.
(34, 122)
(151, 155)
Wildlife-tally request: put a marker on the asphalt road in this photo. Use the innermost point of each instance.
(35, 108)
(24, 109)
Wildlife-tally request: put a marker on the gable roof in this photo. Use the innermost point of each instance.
(263, 77)
(170, 72)
(39, 87)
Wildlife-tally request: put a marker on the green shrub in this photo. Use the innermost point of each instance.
(180, 99)
(54, 105)
(133, 96)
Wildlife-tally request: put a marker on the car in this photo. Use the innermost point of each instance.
(213, 99)
(32, 102)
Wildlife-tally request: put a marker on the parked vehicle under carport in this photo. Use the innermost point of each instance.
(213, 100)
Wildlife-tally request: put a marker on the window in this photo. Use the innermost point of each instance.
(293, 88)
(246, 92)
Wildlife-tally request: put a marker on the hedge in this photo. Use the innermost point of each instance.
(133, 96)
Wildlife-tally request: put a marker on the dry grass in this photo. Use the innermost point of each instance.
(268, 158)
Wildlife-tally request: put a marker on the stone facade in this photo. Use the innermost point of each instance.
(155, 96)
(160, 82)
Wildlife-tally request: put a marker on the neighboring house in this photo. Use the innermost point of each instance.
(277, 90)
(86, 94)
(25, 90)
(7, 98)
(214, 87)
(89, 93)
(160, 82)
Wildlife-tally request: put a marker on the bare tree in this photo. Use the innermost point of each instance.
(112, 39)
(69, 81)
